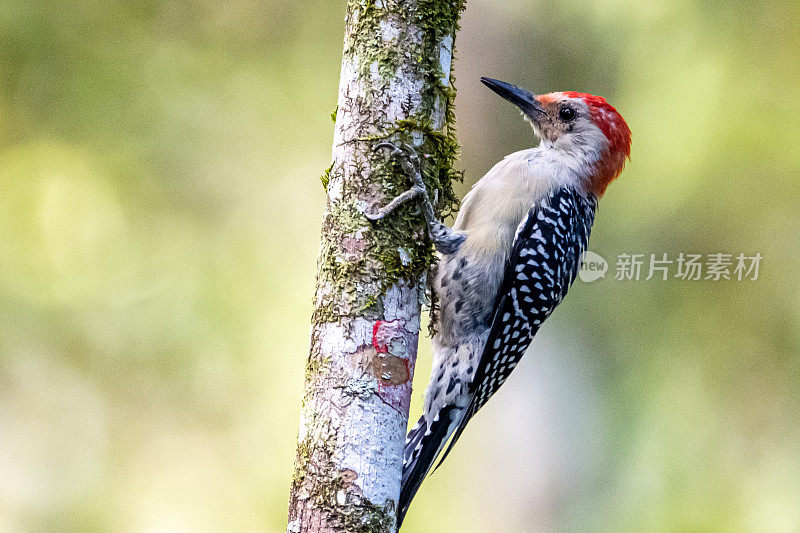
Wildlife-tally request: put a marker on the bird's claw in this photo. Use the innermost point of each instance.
(398, 150)
(446, 240)
(387, 144)
(374, 217)
(402, 198)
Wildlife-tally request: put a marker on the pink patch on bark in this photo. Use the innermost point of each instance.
(379, 337)
(384, 332)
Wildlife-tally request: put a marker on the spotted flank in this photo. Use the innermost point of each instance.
(550, 256)
(544, 261)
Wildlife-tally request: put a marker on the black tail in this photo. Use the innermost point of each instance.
(423, 444)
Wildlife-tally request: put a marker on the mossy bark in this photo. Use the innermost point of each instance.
(396, 85)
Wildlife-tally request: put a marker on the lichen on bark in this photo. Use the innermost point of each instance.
(391, 43)
(396, 85)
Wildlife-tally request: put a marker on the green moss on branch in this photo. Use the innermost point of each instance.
(399, 248)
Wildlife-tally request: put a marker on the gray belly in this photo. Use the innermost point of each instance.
(466, 288)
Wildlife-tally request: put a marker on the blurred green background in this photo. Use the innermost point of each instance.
(159, 222)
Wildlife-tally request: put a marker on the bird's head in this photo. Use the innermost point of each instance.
(588, 133)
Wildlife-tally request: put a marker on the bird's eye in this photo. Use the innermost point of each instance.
(566, 113)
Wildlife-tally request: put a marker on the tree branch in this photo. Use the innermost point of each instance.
(395, 85)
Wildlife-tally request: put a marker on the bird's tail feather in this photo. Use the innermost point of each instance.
(423, 444)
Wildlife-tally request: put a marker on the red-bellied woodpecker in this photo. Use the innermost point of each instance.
(512, 254)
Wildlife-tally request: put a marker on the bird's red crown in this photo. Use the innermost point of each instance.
(616, 131)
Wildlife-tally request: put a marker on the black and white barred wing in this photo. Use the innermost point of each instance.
(544, 261)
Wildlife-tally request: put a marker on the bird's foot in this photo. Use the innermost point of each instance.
(446, 240)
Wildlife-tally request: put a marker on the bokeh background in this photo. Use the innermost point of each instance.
(159, 222)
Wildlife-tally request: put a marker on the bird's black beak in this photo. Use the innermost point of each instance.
(518, 96)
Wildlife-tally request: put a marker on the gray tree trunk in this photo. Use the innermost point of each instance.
(395, 85)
